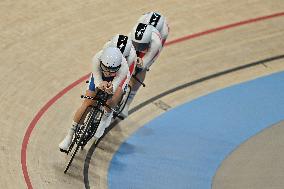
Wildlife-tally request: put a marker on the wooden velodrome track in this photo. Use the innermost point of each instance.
(47, 45)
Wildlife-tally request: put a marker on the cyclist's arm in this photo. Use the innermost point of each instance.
(165, 31)
(121, 75)
(152, 54)
(132, 60)
(97, 73)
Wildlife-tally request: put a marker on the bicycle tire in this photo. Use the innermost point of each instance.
(71, 160)
(78, 143)
(93, 124)
(82, 142)
(122, 105)
(81, 138)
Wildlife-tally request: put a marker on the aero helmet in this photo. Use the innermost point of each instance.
(110, 59)
(155, 19)
(141, 36)
(123, 43)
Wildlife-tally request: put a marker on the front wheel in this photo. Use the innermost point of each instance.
(84, 133)
(72, 157)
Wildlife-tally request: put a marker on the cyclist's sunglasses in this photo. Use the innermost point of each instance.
(108, 69)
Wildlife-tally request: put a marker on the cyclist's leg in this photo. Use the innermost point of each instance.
(108, 113)
(82, 109)
(79, 115)
(135, 85)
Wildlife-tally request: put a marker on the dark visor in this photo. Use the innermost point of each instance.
(140, 46)
(108, 69)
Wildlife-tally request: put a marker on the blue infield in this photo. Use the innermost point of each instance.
(184, 147)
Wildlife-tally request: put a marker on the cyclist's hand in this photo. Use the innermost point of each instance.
(103, 85)
(109, 88)
(139, 62)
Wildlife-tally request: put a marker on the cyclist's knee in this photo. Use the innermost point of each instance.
(88, 102)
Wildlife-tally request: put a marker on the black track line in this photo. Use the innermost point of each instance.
(145, 103)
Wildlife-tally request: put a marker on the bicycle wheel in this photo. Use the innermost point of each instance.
(92, 125)
(74, 139)
(85, 132)
(122, 103)
(71, 160)
(79, 138)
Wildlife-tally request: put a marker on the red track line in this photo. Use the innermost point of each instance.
(85, 77)
(224, 28)
(34, 122)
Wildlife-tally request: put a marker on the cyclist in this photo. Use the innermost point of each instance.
(147, 42)
(158, 21)
(109, 69)
(124, 44)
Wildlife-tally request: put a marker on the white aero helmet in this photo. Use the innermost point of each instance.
(110, 59)
(155, 19)
(123, 43)
(141, 36)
